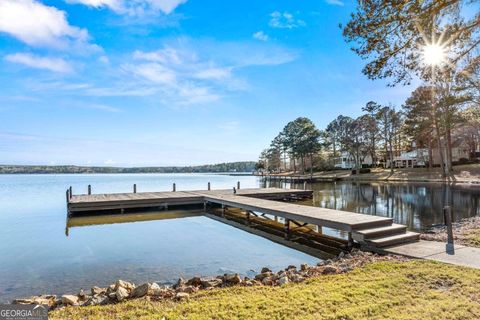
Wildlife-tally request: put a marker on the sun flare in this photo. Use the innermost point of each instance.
(434, 54)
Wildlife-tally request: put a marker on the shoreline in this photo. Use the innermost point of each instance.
(123, 290)
(464, 175)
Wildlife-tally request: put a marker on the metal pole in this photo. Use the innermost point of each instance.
(447, 214)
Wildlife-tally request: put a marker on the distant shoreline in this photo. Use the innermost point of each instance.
(230, 168)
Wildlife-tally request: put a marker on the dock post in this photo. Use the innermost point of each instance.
(89, 189)
(234, 190)
(447, 214)
(205, 206)
(134, 188)
(208, 186)
(70, 192)
(174, 188)
(248, 217)
(67, 193)
(350, 241)
(238, 185)
(223, 211)
(304, 185)
(286, 228)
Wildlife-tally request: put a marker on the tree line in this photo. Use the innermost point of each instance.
(242, 166)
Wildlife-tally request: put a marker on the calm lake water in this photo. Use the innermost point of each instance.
(37, 257)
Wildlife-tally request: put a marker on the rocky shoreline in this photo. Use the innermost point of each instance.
(182, 290)
(465, 231)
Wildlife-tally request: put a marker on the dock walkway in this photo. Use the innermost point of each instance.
(374, 231)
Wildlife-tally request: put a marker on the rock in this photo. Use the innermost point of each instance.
(211, 283)
(267, 281)
(69, 299)
(304, 267)
(195, 281)
(82, 295)
(297, 278)
(42, 299)
(154, 286)
(265, 269)
(261, 276)
(233, 278)
(124, 284)
(110, 289)
(283, 280)
(180, 283)
(97, 300)
(121, 294)
(113, 295)
(182, 296)
(341, 255)
(140, 291)
(348, 256)
(330, 270)
(320, 263)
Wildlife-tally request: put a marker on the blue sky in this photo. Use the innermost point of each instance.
(171, 82)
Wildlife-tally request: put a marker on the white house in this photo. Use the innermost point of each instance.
(346, 161)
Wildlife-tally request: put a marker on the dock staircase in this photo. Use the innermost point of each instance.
(385, 235)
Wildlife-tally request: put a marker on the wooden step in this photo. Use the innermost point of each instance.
(367, 234)
(395, 239)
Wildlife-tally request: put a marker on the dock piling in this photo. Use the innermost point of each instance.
(234, 190)
(89, 189)
(238, 185)
(67, 193)
(174, 187)
(70, 192)
(208, 186)
(287, 228)
(134, 188)
(304, 185)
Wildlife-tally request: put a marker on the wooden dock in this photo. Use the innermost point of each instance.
(370, 231)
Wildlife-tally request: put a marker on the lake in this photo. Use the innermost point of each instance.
(38, 257)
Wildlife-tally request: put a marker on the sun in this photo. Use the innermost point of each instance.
(434, 54)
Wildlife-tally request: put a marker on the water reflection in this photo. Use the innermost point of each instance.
(417, 205)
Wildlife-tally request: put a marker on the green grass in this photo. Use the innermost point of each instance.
(382, 290)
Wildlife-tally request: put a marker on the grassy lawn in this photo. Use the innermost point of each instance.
(381, 290)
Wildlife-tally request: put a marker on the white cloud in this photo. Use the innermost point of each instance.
(38, 62)
(39, 25)
(285, 20)
(335, 2)
(260, 35)
(102, 107)
(133, 7)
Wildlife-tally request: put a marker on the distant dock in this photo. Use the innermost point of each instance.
(268, 209)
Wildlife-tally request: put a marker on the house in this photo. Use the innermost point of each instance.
(346, 161)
